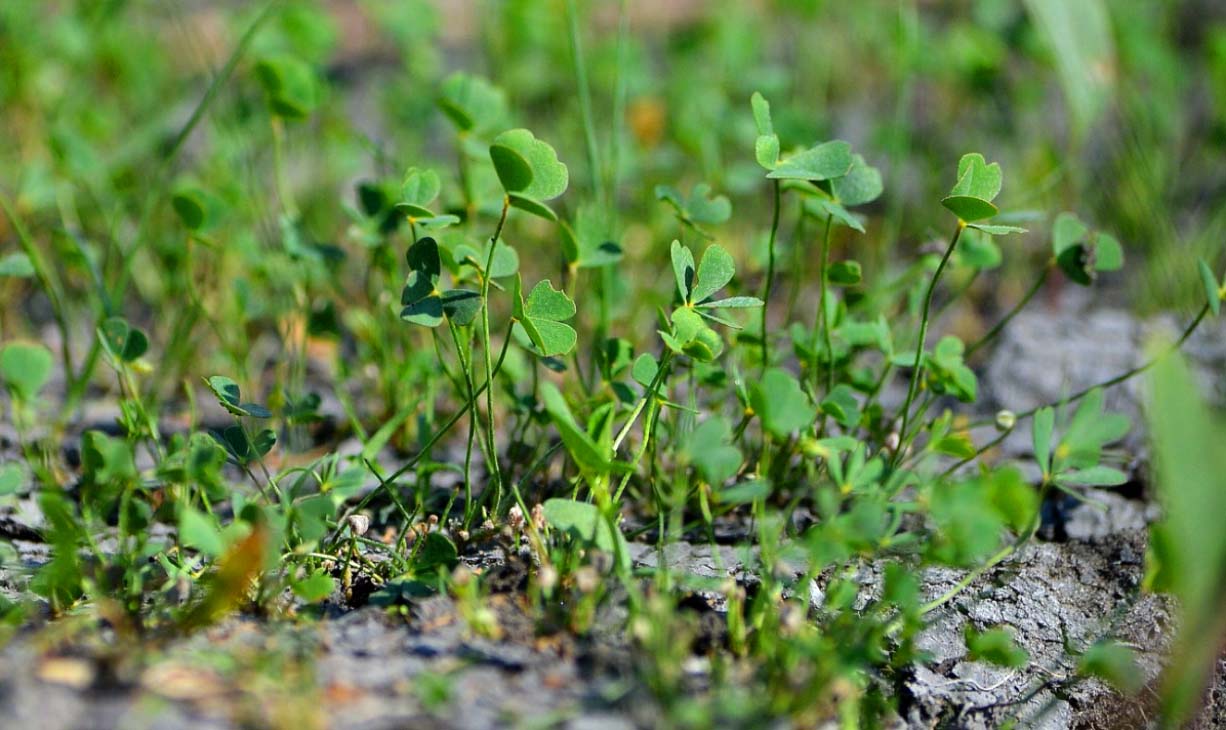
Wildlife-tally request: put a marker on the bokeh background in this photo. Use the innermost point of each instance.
(1115, 109)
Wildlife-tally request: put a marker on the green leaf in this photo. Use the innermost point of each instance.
(978, 250)
(731, 303)
(461, 305)
(194, 206)
(1095, 476)
(124, 342)
(1041, 429)
(423, 256)
(289, 84)
(977, 179)
(420, 187)
(845, 273)
(1076, 264)
(315, 587)
(823, 208)
(17, 265)
(714, 272)
(780, 403)
(700, 207)
(1213, 292)
(1066, 231)
(229, 396)
(542, 316)
(766, 146)
(1113, 662)
(995, 646)
(421, 303)
(709, 447)
(1108, 254)
(744, 493)
(527, 166)
(993, 230)
(842, 405)
(583, 522)
(579, 445)
(591, 243)
(436, 552)
(26, 368)
(969, 209)
(862, 184)
(472, 103)
(196, 530)
(823, 162)
(11, 478)
(683, 268)
(761, 113)
(532, 205)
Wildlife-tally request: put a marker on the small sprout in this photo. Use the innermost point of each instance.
(462, 575)
(358, 524)
(1005, 421)
(587, 580)
(515, 518)
(547, 577)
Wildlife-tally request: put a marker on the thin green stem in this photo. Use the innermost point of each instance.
(465, 366)
(819, 322)
(661, 373)
(770, 271)
(434, 438)
(495, 473)
(916, 369)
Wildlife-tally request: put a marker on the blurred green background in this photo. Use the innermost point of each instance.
(1115, 109)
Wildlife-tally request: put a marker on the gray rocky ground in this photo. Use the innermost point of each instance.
(368, 668)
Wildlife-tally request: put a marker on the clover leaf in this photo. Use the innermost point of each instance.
(710, 448)
(766, 146)
(713, 273)
(590, 242)
(289, 85)
(421, 301)
(780, 403)
(230, 398)
(1081, 253)
(418, 190)
(978, 185)
(529, 171)
(124, 342)
(700, 207)
(821, 162)
(25, 368)
(472, 103)
(542, 315)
